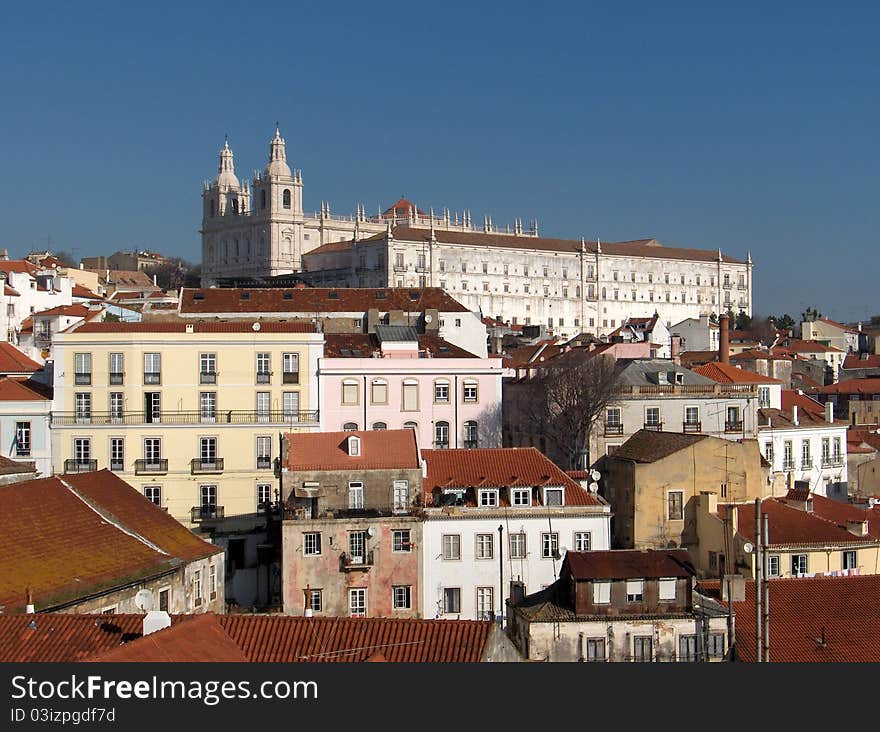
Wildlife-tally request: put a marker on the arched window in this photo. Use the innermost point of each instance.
(263, 198)
(470, 434)
(603, 293)
(213, 209)
(350, 392)
(441, 435)
(379, 391)
(380, 426)
(285, 198)
(235, 205)
(411, 426)
(350, 427)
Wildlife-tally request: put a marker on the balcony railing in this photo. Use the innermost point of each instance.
(80, 466)
(733, 426)
(470, 444)
(116, 378)
(400, 268)
(788, 465)
(198, 465)
(806, 464)
(350, 562)
(290, 377)
(117, 465)
(613, 428)
(200, 514)
(152, 377)
(208, 377)
(833, 462)
(264, 462)
(441, 444)
(151, 467)
(656, 426)
(279, 416)
(264, 377)
(692, 427)
(82, 379)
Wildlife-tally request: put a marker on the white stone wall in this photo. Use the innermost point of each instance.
(818, 475)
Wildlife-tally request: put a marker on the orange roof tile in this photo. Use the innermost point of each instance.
(198, 326)
(724, 373)
(76, 311)
(630, 563)
(790, 398)
(364, 345)
(797, 345)
(379, 450)
(10, 291)
(862, 361)
(13, 361)
(19, 390)
(869, 385)
(793, 527)
(18, 265)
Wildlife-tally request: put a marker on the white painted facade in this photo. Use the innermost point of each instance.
(815, 455)
(35, 414)
(35, 290)
(697, 334)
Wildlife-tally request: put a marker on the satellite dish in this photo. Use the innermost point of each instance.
(143, 600)
(594, 487)
(595, 474)
(256, 327)
(370, 531)
(748, 547)
(429, 318)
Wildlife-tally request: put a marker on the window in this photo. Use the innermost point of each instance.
(838, 452)
(357, 602)
(208, 451)
(442, 265)
(290, 368)
(692, 416)
(290, 405)
(768, 452)
(22, 439)
(652, 417)
(798, 564)
(264, 373)
(285, 198)
(152, 406)
(357, 547)
(635, 589)
(787, 459)
(764, 396)
(116, 369)
(208, 406)
(379, 392)
(314, 600)
(82, 368)
(152, 368)
(485, 603)
(153, 493)
(521, 496)
(643, 648)
(207, 368)
(488, 498)
(485, 287)
(264, 452)
(470, 391)
(212, 582)
(263, 406)
(484, 546)
(355, 495)
(116, 401)
(582, 541)
(687, 648)
(601, 593)
(350, 392)
(612, 417)
(773, 565)
(451, 546)
(380, 425)
(401, 495)
(402, 596)
(550, 545)
(164, 600)
(518, 546)
(207, 496)
(674, 505)
(264, 496)
(595, 650)
(715, 645)
(526, 288)
(826, 451)
(441, 392)
(311, 543)
(806, 458)
(197, 587)
(410, 395)
(400, 541)
(117, 453)
(553, 497)
(667, 588)
(451, 599)
(849, 559)
(83, 406)
(441, 435)
(349, 427)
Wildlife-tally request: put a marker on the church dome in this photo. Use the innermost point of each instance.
(278, 157)
(226, 174)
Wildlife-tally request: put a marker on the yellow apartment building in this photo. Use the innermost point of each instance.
(189, 413)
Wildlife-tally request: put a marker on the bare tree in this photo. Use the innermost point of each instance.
(563, 401)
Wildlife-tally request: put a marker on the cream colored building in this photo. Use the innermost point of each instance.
(189, 413)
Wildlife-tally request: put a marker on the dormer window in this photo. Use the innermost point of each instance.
(554, 496)
(521, 496)
(488, 498)
(354, 446)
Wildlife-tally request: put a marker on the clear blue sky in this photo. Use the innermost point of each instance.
(745, 126)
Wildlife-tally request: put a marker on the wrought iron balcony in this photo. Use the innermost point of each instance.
(264, 462)
(290, 377)
(80, 466)
(82, 379)
(354, 562)
(613, 428)
(198, 465)
(152, 377)
(117, 465)
(116, 378)
(208, 377)
(733, 426)
(470, 444)
(151, 467)
(264, 377)
(692, 427)
(202, 514)
(788, 465)
(806, 464)
(655, 426)
(279, 416)
(833, 462)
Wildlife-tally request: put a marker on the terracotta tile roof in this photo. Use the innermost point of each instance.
(499, 467)
(869, 385)
(855, 447)
(805, 381)
(401, 208)
(19, 390)
(792, 527)
(856, 361)
(18, 265)
(55, 543)
(10, 291)
(649, 248)
(864, 435)
(724, 373)
(332, 246)
(128, 278)
(82, 291)
(821, 619)
(199, 640)
(285, 639)
(75, 311)
(619, 564)
(363, 345)
(790, 398)
(781, 419)
(648, 446)
(316, 300)
(796, 345)
(840, 513)
(755, 354)
(8, 466)
(27, 325)
(689, 359)
(380, 450)
(13, 361)
(198, 326)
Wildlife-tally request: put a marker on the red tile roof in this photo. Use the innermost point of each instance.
(55, 543)
(790, 398)
(18, 265)
(648, 446)
(839, 513)
(75, 311)
(500, 467)
(821, 619)
(19, 390)
(792, 527)
(724, 373)
(401, 207)
(796, 345)
(856, 361)
(689, 359)
(379, 450)
(843, 327)
(13, 361)
(868, 385)
(82, 291)
(199, 326)
(630, 563)
(10, 291)
(201, 639)
(312, 300)
(754, 354)
(8, 466)
(363, 345)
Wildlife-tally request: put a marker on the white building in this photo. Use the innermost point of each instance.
(29, 289)
(25, 409)
(697, 334)
(515, 499)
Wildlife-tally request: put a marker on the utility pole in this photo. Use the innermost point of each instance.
(501, 573)
(766, 581)
(759, 573)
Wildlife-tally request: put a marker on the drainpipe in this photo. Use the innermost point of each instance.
(501, 573)
(455, 410)
(759, 559)
(766, 581)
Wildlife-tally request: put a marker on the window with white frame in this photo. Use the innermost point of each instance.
(675, 505)
(290, 405)
(400, 541)
(311, 543)
(550, 545)
(635, 590)
(117, 453)
(787, 456)
(518, 545)
(153, 493)
(116, 406)
(410, 395)
(595, 649)
(692, 416)
(197, 587)
(212, 582)
(22, 439)
(667, 588)
(290, 368)
(208, 451)
(484, 546)
(451, 546)
(601, 592)
(485, 603)
(315, 600)
(768, 452)
(582, 541)
(806, 458)
(355, 495)
(451, 600)
(350, 427)
(402, 597)
(687, 647)
(521, 496)
(83, 368)
(83, 406)
(488, 498)
(764, 397)
(470, 391)
(652, 416)
(152, 368)
(264, 368)
(379, 391)
(849, 559)
(715, 645)
(264, 452)
(799, 564)
(441, 435)
(82, 450)
(773, 565)
(401, 495)
(612, 417)
(357, 602)
(208, 406)
(264, 401)
(264, 495)
(117, 372)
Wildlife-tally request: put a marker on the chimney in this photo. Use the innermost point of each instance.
(675, 349)
(30, 609)
(794, 415)
(829, 411)
(724, 342)
(156, 620)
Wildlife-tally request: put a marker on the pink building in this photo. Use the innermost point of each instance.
(396, 379)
